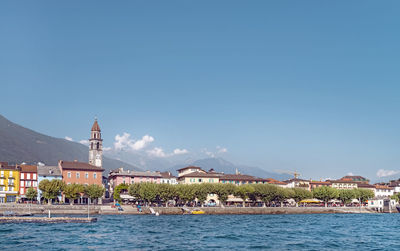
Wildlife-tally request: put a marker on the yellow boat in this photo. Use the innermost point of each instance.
(198, 211)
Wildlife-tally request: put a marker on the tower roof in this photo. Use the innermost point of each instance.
(96, 126)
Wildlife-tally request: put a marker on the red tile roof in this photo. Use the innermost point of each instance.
(238, 177)
(28, 169)
(75, 165)
(200, 175)
(96, 127)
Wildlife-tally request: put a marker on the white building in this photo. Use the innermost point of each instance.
(168, 178)
(383, 191)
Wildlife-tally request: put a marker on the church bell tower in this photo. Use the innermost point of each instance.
(96, 146)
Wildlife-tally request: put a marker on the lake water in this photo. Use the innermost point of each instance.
(193, 232)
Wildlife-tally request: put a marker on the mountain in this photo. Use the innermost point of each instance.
(19, 144)
(222, 165)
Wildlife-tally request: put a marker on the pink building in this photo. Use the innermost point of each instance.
(121, 176)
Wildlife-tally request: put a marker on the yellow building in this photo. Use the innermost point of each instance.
(9, 182)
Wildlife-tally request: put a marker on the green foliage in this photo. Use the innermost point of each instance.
(51, 189)
(244, 191)
(117, 191)
(346, 195)
(148, 191)
(94, 191)
(325, 193)
(265, 192)
(363, 194)
(166, 192)
(223, 191)
(185, 192)
(31, 194)
(300, 194)
(73, 191)
(395, 197)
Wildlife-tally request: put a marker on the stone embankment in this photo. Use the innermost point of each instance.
(127, 209)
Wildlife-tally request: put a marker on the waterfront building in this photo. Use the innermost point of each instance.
(189, 169)
(168, 178)
(315, 184)
(383, 191)
(49, 173)
(9, 182)
(344, 184)
(358, 179)
(240, 179)
(121, 176)
(297, 183)
(28, 179)
(80, 173)
(199, 177)
(275, 182)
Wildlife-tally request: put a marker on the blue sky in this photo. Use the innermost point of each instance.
(311, 86)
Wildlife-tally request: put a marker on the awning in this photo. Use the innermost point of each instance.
(310, 201)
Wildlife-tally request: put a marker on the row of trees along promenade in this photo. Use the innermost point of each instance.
(54, 188)
(267, 194)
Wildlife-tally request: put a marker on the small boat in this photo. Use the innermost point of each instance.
(197, 211)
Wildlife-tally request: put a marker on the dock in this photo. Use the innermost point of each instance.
(46, 220)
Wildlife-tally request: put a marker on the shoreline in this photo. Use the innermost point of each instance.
(129, 210)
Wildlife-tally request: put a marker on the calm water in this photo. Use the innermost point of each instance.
(193, 232)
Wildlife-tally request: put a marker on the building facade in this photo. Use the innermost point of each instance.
(49, 173)
(28, 179)
(121, 176)
(9, 182)
(96, 146)
(74, 172)
(168, 178)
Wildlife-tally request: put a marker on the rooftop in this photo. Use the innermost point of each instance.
(75, 165)
(96, 127)
(189, 167)
(28, 168)
(49, 171)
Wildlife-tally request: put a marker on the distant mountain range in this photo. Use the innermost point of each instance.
(19, 144)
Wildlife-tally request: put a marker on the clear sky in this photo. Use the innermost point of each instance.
(311, 86)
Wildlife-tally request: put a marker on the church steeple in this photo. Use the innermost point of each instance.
(95, 146)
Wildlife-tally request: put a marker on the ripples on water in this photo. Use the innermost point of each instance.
(194, 232)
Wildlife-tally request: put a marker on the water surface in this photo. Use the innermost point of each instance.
(194, 232)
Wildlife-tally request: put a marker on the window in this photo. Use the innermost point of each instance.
(86, 175)
(132, 181)
(28, 183)
(123, 180)
(94, 175)
(1, 188)
(10, 189)
(34, 176)
(11, 173)
(78, 175)
(2, 174)
(1, 182)
(22, 176)
(28, 176)
(200, 180)
(21, 191)
(69, 174)
(22, 183)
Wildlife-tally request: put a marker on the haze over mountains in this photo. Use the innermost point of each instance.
(19, 144)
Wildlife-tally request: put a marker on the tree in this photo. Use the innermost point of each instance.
(201, 192)
(166, 192)
(283, 194)
(325, 194)
(266, 193)
(94, 191)
(148, 191)
(31, 194)
(117, 191)
(51, 189)
(73, 192)
(346, 195)
(300, 194)
(244, 191)
(185, 192)
(223, 191)
(363, 195)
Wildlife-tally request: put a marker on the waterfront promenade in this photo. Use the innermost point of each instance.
(129, 210)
